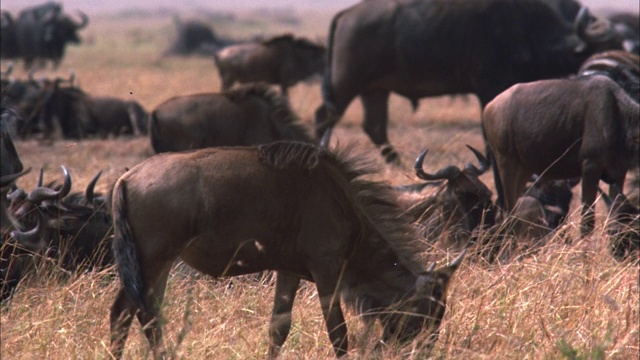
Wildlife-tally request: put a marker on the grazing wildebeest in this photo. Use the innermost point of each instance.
(266, 207)
(74, 231)
(561, 129)
(425, 48)
(245, 115)
(43, 31)
(282, 60)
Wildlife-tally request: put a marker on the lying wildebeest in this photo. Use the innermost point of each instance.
(245, 115)
(283, 60)
(457, 208)
(80, 114)
(461, 211)
(72, 231)
(422, 48)
(266, 207)
(195, 37)
(562, 129)
(621, 66)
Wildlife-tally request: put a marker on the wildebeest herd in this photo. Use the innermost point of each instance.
(559, 90)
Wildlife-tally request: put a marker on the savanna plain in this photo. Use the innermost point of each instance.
(567, 299)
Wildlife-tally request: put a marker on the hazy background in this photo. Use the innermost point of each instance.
(102, 6)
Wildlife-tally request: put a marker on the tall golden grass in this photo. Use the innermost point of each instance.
(567, 299)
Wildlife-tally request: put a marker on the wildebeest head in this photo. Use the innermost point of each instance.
(465, 199)
(555, 197)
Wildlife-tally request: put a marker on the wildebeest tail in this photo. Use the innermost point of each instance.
(124, 248)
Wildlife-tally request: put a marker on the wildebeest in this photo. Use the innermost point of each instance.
(425, 48)
(43, 31)
(9, 160)
(456, 209)
(461, 212)
(560, 129)
(8, 40)
(266, 207)
(11, 169)
(73, 230)
(282, 60)
(195, 37)
(80, 114)
(245, 115)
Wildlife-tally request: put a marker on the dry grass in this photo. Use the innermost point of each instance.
(563, 301)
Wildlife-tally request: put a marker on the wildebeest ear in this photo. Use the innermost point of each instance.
(438, 278)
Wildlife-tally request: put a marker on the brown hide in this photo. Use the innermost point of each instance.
(246, 115)
(290, 207)
(283, 60)
(561, 129)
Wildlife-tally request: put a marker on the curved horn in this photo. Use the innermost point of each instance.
(457, 261)
(431, 267)
(31, 239)
(41, 178)
(7, 180)
(88, 194)
(84, 20)
(484, 164)
(40, 194)
(449, 172)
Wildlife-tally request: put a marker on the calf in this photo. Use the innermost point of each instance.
(283, 60)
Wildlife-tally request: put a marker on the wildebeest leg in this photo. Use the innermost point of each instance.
(376, 114)
(286, 287)
(326, 284)
(590, 180)
(150, 319)
(122, 312)
(514, 186)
